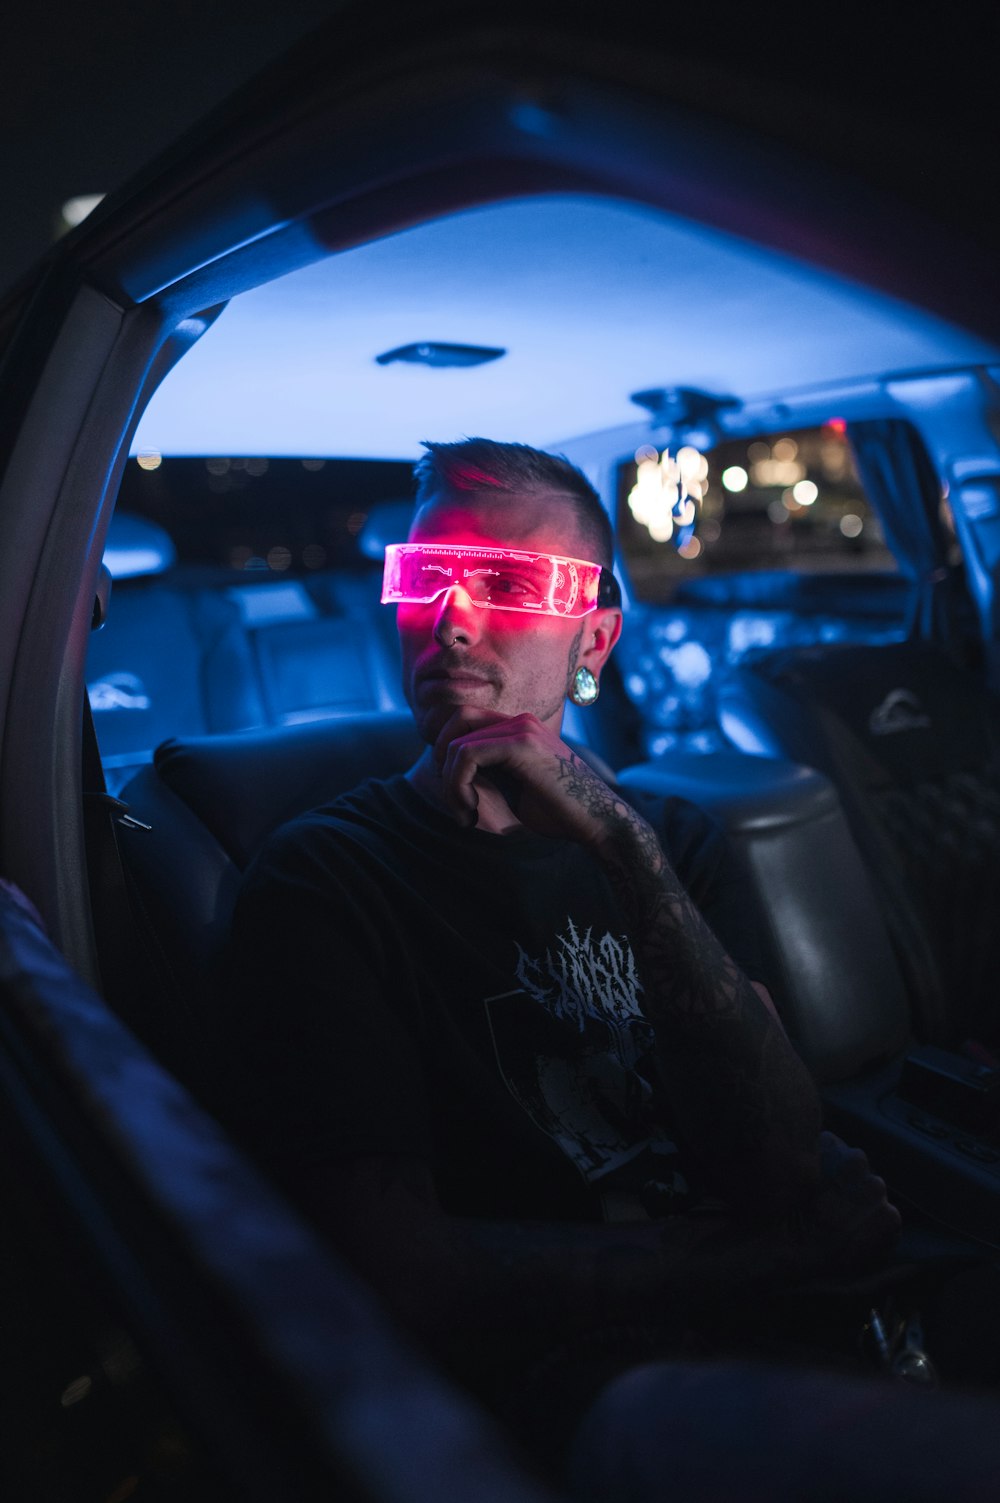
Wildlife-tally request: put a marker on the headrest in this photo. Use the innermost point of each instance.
(917, 713)
(136, 546)
(243, 785)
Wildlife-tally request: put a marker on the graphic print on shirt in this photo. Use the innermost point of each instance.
(571, 1043)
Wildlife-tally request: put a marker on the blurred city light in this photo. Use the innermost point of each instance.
(668, 492)
(777, 471)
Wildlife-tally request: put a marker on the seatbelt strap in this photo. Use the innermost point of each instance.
(119, 951)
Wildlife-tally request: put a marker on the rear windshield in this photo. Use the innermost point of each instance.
(788, 500)
(264, 516)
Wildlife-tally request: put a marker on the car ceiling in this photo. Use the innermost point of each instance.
(592, 299)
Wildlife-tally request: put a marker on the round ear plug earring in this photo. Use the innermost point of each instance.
(584, 688)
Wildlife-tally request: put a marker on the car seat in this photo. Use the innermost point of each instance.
(910, 738)
(171, 658)
(676, 657)
(196, 815)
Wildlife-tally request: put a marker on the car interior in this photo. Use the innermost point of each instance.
(802, 468)
(802, 658)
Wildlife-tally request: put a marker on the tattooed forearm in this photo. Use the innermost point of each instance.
(745, 1100)
(621, 823)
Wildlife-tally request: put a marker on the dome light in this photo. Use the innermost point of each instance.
(75, 210)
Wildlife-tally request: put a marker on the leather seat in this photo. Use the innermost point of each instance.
(197, 815)
(910, 739)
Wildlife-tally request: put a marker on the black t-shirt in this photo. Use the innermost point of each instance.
(400, 985)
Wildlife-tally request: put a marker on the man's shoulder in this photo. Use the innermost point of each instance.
(375, 799)
(374, 806)
(377, 818)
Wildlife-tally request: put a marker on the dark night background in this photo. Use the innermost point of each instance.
(88, 94)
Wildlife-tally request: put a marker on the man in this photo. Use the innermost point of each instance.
(480, 1029)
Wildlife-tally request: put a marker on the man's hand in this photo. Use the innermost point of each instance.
(547, 787)
(851, 1223)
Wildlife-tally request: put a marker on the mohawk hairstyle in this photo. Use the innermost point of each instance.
(484, 466)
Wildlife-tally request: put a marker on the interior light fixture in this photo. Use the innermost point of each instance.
(75, 210)
(682, 414)
(434, 353)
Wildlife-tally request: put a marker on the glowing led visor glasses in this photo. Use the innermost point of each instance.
(500, 579)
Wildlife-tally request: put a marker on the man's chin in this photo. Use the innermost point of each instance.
(431, 722)
(432, 719)
(432, 713)
(434, 703)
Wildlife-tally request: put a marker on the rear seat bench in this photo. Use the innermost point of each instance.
(193, 650)
(204, 806)
(209, 802)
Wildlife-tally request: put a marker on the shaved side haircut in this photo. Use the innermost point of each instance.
(485, 467)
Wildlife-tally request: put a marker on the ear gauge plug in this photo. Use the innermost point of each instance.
(584, 688)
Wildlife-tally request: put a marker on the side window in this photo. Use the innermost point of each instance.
(757, 544)
(791, 500)
(263, 518)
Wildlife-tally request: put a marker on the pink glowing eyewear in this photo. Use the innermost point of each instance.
(499, 579)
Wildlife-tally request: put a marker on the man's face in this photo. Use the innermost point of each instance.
(456, 653)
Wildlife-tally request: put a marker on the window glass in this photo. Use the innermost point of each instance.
(789, 500)
(264, 516)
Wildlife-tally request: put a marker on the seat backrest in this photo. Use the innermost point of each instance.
(198, 814)
(320, 647)
(171, 658)
(911, 741)
(806, 896)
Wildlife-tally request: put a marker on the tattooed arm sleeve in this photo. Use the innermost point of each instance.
(744, 1100)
